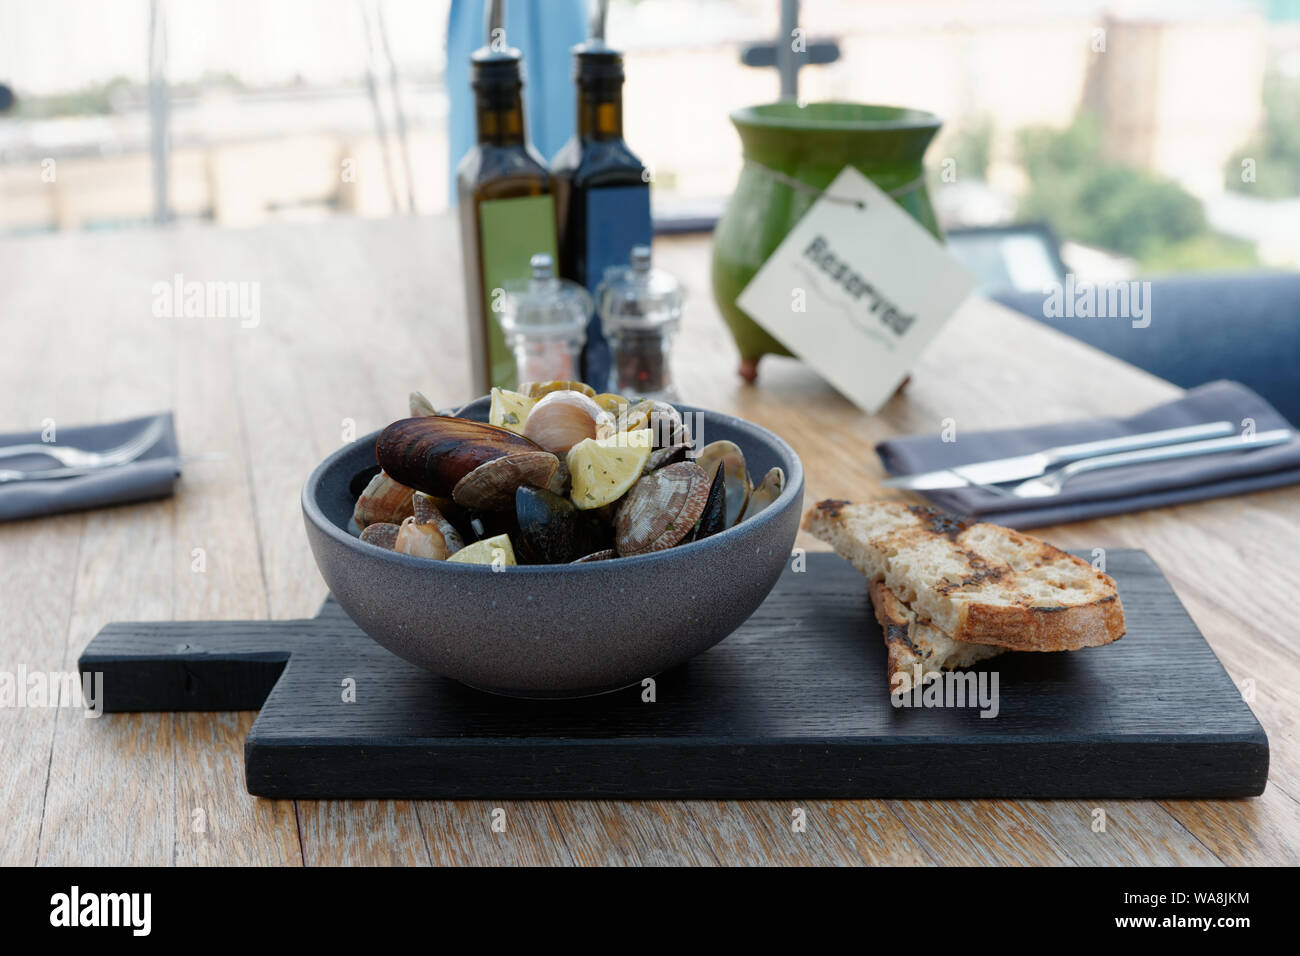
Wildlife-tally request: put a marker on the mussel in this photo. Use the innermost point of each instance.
(727, 453)
(551, 529)
(661, 509)
(382, 500)
(714, 516)
(437, 454)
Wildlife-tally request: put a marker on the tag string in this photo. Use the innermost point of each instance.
(800, 186)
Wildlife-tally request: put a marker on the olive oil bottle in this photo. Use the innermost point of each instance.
(507, 210)
(602, 190)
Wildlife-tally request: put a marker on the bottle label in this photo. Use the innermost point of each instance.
(618, 218)
(511, 232)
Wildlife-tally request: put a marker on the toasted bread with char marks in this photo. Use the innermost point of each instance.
(976, 583)
(911, 642)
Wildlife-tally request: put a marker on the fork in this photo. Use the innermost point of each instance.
(1052, 483)
(78, 461)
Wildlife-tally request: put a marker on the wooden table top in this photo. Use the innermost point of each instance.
(355, 314)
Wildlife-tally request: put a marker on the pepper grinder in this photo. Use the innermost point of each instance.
(544, 319)
(640, 308)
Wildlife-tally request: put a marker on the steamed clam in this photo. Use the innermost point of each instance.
(765, 492)
(667, 426)
(382, 534)
(668, 455)
(420, 406)
(383, 501)
(420, 540)
(437, 454)
(492, 485)
(427, 511)
(661, 509)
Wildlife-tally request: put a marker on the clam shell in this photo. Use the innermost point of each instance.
(427, 512)
(765, 492)
(432, 454)
(666, 456)
(492, 485)
(420, 406)
(596, 556)
(661, 509)
(383, 500)
(382, 535)
(666, 426)
(420, 540)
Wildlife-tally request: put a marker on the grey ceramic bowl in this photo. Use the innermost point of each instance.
(556, 630)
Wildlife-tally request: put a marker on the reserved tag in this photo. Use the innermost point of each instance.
(857, 289)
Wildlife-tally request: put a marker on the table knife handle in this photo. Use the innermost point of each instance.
(1279, 436)
(1168, 436)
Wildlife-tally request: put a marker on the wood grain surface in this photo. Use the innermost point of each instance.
(353, 315)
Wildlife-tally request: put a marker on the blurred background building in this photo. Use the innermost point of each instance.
(1149, 136)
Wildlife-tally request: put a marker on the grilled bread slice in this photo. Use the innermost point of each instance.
(912, 642)
(978, 583)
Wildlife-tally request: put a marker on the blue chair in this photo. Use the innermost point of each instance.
(544, 32)
(1244, 327)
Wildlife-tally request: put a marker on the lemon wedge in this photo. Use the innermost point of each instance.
(497, 552)
(510, 409)
(603, 469)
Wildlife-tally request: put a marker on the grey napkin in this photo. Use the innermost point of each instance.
(1117, 490)
(152, 475)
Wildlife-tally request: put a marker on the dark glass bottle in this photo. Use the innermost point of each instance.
(507, 210)
(602, 191)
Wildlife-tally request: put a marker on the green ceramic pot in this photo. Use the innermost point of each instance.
(810, 143)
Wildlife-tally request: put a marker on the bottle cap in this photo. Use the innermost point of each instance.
(544, 307)
(639, 295)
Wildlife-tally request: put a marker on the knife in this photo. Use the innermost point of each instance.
(1031, 466)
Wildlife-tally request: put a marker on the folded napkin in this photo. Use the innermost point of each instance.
(152, 475)
(1113, 490)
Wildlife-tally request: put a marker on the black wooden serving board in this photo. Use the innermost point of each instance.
(794, 704)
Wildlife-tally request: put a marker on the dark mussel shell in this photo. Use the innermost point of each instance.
(670, 455)
(431, 454)
(361, 479)
(551, 529)
(714, 517)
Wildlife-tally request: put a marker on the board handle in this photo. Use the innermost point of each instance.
(189, 665)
